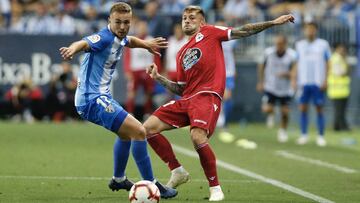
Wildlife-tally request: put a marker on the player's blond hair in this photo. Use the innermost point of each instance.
(197, 9)
(121, 7)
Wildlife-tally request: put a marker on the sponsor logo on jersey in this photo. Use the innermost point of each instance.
(199, 37)
(191, 57)
(94, 38)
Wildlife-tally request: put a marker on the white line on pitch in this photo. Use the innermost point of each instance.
(105, 178)
(261, 178)
(289, 155)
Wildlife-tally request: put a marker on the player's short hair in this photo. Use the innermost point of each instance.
(120, 7)
(311, 24)
(197, 9)
(282, 36)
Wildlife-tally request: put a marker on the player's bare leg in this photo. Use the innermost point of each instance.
(154, 126)
(269, 110)
(320, 141)
(130, 129)
(282, 134)
(208, 162)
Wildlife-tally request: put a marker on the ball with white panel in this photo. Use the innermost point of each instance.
(144, 192)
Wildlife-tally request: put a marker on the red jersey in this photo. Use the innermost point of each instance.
(200, 62)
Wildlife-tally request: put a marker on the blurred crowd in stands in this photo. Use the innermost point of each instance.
(68, 17)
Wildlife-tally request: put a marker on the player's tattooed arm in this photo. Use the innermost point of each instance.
(168, 84)
(254, 28)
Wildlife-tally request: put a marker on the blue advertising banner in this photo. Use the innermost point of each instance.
(37, 58)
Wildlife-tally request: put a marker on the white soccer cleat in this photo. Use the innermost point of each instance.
(303, 139)
(178, 176)
(320, 141)
(282, 136)
(216, 194)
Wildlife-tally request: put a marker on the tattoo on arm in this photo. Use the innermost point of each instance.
(250, 29)
(170, 85)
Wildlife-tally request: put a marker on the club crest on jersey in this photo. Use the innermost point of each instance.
(199, 37)
(191, 57)
(94, 38)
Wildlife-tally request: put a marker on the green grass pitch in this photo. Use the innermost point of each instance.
(72, 162)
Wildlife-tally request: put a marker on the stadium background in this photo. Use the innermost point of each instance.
(32, 53)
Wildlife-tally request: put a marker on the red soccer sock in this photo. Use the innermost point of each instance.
(163, 149)
(208, 162)
(130, 105)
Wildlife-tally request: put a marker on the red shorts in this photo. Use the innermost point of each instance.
(200, 111)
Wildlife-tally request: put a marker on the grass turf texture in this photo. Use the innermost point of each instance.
(36, 159)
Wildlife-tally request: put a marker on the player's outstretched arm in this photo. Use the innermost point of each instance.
(254, 28)
(152, 45)
(68, 52)
(170, 85)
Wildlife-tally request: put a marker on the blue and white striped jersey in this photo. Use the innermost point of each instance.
(312, 58)
(98, 65)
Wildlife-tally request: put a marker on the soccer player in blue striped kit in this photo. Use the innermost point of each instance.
(94, 102)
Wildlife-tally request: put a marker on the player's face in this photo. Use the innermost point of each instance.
(310, 32)
(280, 44)
(120, 23)
(191, 22)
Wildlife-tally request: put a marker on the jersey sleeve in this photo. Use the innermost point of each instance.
(220, 32)
(98, 41)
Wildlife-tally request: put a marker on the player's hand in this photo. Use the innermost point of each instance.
(284, 19)
(156, 44)
(152, 70)
(323, 86)
(67, 53)
(260, 87)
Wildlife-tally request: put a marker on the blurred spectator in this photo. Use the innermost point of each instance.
(91, 23)
(5, 13)
(135, 71)
(64, 23)
(41, 22)
(315, 9)
(172, 7)
(158, 25)
(176, 41)
(18, 21)
(236, 9)
(60, 99)
(24, 101)
(339, 86)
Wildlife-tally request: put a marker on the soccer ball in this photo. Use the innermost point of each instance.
(144, 192)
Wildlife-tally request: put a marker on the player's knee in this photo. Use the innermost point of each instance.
(150, 128)
(140, 133)
(198, 136)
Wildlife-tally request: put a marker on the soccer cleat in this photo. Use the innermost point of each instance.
(178, 176)
(123, 185)
(282, 136)
(320, 141)
(216, 194)
(166, 192)
(302, 140)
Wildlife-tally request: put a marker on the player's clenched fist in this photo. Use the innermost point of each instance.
(284, 19)
(67, 53)
(152, 70)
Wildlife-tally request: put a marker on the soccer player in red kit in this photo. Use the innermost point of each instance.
(201, 83)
